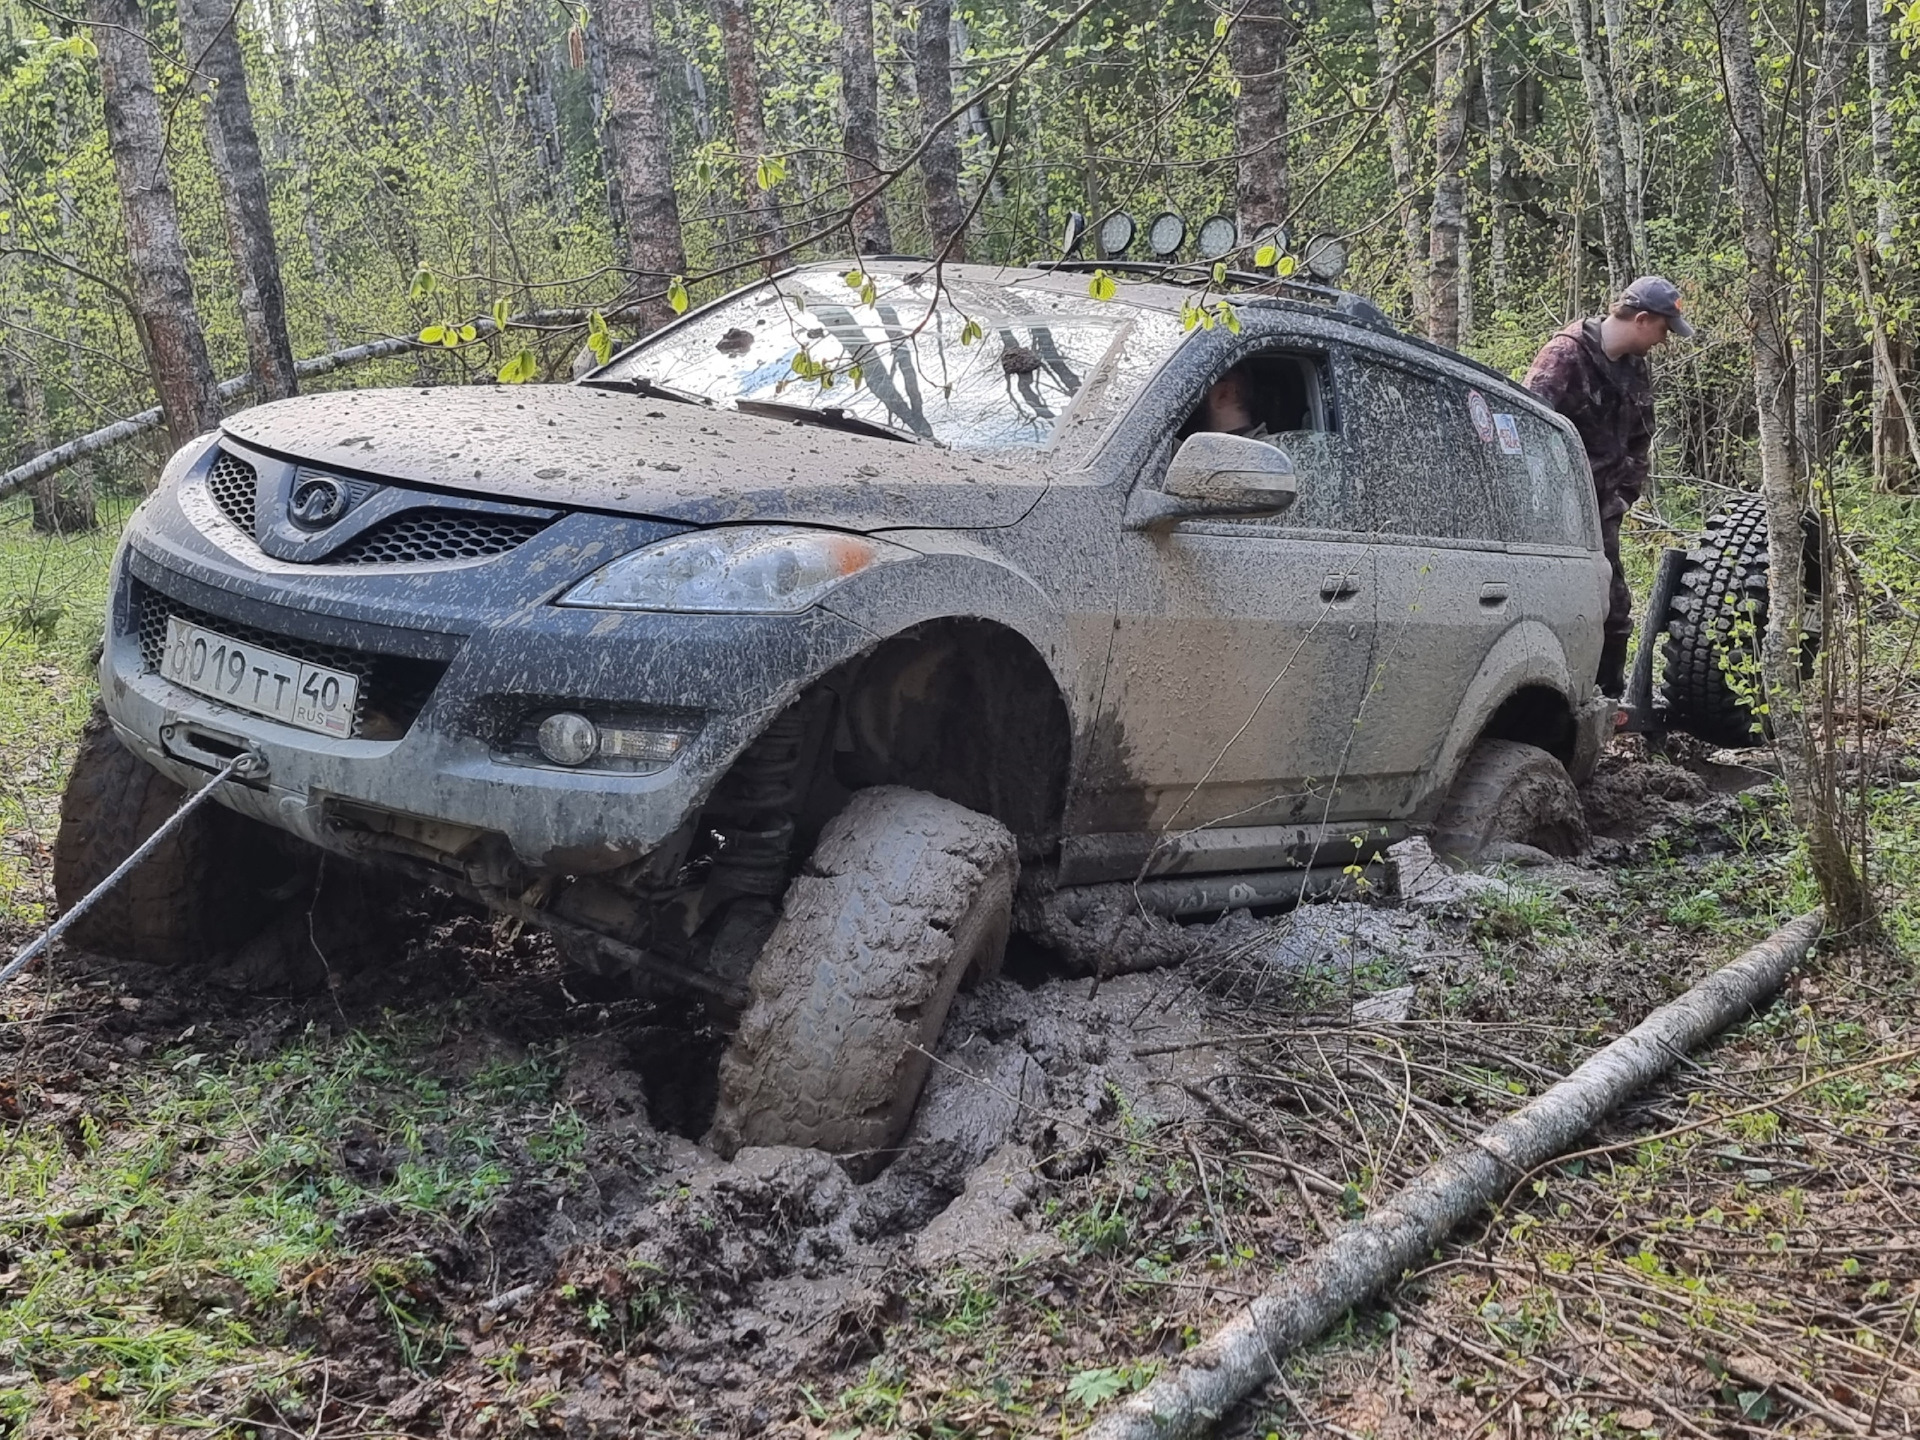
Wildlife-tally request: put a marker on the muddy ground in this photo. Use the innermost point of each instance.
(655, 1288)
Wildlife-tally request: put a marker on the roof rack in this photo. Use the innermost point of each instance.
(1264, 287)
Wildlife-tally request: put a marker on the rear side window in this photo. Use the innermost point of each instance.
(1540, 489)
(1418, 454)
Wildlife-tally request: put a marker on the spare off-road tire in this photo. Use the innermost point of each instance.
(1509, 793)
(204, 890)
(905, 894)
(1724, 581)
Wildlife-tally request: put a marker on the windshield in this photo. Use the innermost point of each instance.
(992, 367)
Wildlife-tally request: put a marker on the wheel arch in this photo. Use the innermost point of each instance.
(1523, 691)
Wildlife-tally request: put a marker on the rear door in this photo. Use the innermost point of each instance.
(1447, 587)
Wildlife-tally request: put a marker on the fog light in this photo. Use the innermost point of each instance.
(648, 747)
(568, 739)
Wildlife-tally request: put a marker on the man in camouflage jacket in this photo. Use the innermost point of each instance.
(1595, 373)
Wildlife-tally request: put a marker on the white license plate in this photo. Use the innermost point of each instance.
(265, 682)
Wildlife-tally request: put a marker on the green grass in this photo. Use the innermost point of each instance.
(52, 600)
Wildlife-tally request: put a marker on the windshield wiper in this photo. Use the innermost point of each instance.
(643, 385)
(828, 417)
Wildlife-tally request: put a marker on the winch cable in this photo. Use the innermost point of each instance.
(239, 765)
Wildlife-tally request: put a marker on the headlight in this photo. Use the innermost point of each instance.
(752, 570)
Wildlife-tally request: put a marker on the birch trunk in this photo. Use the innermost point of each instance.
(169, 326)
(53, 510)
(600, 85)
(1892, 437)
(209, 31)
(1257, 50)
(1406, 182)
(1633, 146)
(940, 161)
(76, 486)
(1493, 90)
(1447, 231)
(749, 122)
(1817, 179)
(1371, 1254)
(1769, 303)
(642, 148)
(1616, 234)
(860, 118)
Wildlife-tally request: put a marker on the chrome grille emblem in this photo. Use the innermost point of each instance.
(318, 501)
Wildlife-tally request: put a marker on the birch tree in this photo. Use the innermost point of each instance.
(748, 111)
(169, 325)
(940, 161)
(1892, 434)
(860, 121)
(1603, 109)
(1400, 154)
(1769, 298)
(1447, 231)
(209, 29)
(1257, 50)
(637, 125)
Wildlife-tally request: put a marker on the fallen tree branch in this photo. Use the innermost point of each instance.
(52, 461)
(1373, 1253)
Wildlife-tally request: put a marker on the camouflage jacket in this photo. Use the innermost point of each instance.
(1610, 403)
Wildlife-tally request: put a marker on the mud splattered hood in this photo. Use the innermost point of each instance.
(581, 448)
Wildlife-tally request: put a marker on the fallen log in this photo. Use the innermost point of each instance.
(52, 461)
(1371, 1254)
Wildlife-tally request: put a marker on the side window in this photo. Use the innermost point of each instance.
(1286, 398)
(1415, 443)
(1539, 488)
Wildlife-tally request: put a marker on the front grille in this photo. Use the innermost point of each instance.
(235, 489)
(393, 690)
(420, 535)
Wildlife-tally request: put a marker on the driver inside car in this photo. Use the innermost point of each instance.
(1228, 408)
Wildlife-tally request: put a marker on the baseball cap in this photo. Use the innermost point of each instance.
(1660, 296)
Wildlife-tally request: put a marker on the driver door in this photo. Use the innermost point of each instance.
(1241, 648)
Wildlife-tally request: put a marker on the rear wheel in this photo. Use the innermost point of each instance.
(904, 897)
(204, 890)
(1513, 794)
(1714, 625)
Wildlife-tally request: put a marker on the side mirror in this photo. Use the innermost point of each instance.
(1214, 474)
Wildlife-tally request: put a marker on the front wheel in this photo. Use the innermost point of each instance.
(905, 895)
(204, 890)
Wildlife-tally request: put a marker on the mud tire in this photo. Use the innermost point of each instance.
(1510, 793)
(904, 897)
(200, 894)
(1725, 578)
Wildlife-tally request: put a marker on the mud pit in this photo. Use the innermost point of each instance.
(655, 1286)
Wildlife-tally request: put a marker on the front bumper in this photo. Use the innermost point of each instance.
(480, 645)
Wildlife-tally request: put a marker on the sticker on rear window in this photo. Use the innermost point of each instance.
(1509, 429)
(1481, 415)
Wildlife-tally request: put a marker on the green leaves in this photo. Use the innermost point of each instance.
(1222, 23)
(859, 280)
(520, 369)
(970, 332)
(1286, 266)
(1102, 286)
(502, 313)
(1266, 257)
(677, 294)
(424, 284)
(1089, 1388)
(599, 339)
(771, 170)
(450, 336)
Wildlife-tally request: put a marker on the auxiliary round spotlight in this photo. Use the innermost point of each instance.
(1273, 237)
(1326, 257)
(1075, 233)
(568, 739)
(1116, 234)
(1218, 236)
(1166, 233)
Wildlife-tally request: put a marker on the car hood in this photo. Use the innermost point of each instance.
(583, 448)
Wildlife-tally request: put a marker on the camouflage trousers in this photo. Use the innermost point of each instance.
(1619, 621)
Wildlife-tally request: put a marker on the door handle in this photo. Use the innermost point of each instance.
(1493, 594)
(1339, 585)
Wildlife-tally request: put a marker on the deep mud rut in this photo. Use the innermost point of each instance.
(657, 1288)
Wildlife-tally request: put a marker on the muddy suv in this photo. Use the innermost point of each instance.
(771, 659)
